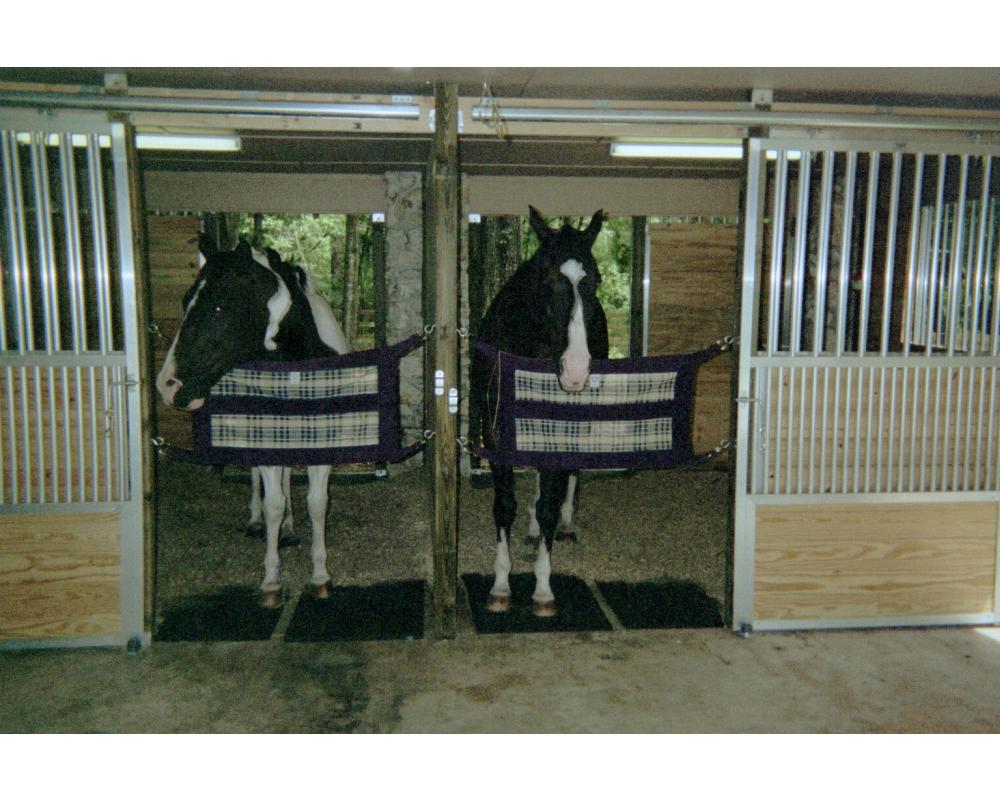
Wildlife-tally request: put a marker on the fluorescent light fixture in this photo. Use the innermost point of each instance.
(187, 141)
(699, 150)
(793, 155)
(52, 139)
(154, 141)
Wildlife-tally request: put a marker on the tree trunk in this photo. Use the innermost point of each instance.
(351, 261)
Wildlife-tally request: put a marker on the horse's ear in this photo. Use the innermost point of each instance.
(243, 249)
(594, 228)
(538, 225)
(272, 257)
(206, 246)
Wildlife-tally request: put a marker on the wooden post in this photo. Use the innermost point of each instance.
(146, 352)
(637, 321)
(441, 289)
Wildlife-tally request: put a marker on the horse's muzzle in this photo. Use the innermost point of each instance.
(573, 374)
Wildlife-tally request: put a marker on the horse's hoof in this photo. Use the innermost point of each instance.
(256, 530)
(544, 608)
(498, 603)
(271, 598)
(288, 541)
(322, 591)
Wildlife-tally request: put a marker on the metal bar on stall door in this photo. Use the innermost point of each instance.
(843, 284)
(934, 252)
(43, 219)
(991, 475)
(823, 252)
(823, 432)
(801, 247)
(968, 279)
(10, 222)
(888, 279)
(802, 428)
(94, 440)
(790, 416)
(974, 374)
(821, 282)
(779, 422)
(843, 287)
(23, 301)
(954, 292)
(979, 309)
(956, 255)
(777, 251)
(74, 274)
(865, 317)
(100, 244)
(869, 248)
(922, 373)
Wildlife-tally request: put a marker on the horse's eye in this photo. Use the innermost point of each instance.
(216, 310)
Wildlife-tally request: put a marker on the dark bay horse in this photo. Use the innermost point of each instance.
(246, 305)
(548, 309)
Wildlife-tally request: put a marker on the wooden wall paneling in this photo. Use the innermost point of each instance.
(692, 304)
(59, 575)
(173, 266)
(842, 561)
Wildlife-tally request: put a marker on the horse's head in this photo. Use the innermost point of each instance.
(572, 315)
(231, 314)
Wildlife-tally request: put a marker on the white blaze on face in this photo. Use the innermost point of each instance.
(575, 361)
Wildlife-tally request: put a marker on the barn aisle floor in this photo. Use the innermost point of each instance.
(937, 680)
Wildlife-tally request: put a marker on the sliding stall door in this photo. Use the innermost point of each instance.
(71, 532)
(868, 415)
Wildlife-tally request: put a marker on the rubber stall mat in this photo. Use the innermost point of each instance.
(232, 615)
(577, 610)
(662, 604)
(360, 613)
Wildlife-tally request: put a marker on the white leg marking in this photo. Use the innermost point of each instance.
(543, 569)
(288, 521)
(256, 504)
(567, 508)
(501, 568)
(318, 500)
(534, 530)
(274, 506)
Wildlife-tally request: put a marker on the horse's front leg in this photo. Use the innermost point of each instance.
(318, 501)
(504, 511)
(274, 511)
(255, 527)
(552, 490)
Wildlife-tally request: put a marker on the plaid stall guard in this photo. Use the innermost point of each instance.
(334, 410)
(636, 413)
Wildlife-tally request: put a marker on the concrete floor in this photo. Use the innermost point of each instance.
(938, 680)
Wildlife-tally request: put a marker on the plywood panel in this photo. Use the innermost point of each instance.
(692, 303)
(59, 575)
(843, 561)
(173, 256)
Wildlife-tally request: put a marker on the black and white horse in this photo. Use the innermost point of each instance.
(247, 305)
(548, 309)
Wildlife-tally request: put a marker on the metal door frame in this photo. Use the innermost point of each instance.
(123, 364)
